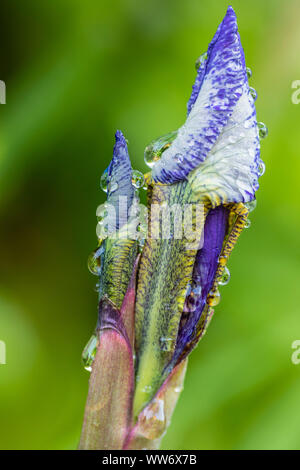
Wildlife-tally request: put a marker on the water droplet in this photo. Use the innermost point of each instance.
(94, 261)
(189, 304)
(101, 212)
(213, 298)
(138, 179)
(112, 187)
(197, 291)
(261, 168)
(159, 413)
(188, 289)
(104, 180)
(141, 242)
(201, 59)
(166, 344)
(249, 72)
(253, 93)
(225, 278)
(248, 223)
(89, 353)
(101, 231)
(154, 150)
(262, 130)
(251, 205)
(147, 389)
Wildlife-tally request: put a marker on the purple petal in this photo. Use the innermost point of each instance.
(220, 85)
(203, 276)
(120, 180)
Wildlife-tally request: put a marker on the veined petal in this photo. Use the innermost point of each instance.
(228, 222)
(119, 251)
(204, 273)
(220, 104)
(119, 175)
(230, 171)
(165, 270)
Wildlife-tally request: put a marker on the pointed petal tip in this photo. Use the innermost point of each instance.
(120, 152)
(120, 137)
(120, 143)
(230, 11)
(120, 172)
(220, 83)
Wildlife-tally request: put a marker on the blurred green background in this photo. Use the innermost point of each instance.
(75, 72)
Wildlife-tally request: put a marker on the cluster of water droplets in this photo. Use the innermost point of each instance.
(250, 206)
(155, 149)
(262, 133)
(214, 296)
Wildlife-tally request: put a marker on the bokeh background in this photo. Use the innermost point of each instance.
(75, 72)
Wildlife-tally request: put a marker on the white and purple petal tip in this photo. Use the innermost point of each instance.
(219, 139)
(119, 176)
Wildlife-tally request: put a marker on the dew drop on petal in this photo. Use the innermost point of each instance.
(253, 93)
(225, 278)
(248, 223)
(101, 212)
(261, 168)
(188, 290)
(94, 261)
(249, 72)
(251, 205)
(197, 291)
(141, 242)
(138, 179)
(213, 298)
(154, 150)
(104, 181)
(155, 414)
(147, 389)
(89, 353)
(262, 130)
(112, 187)
(201, 60)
